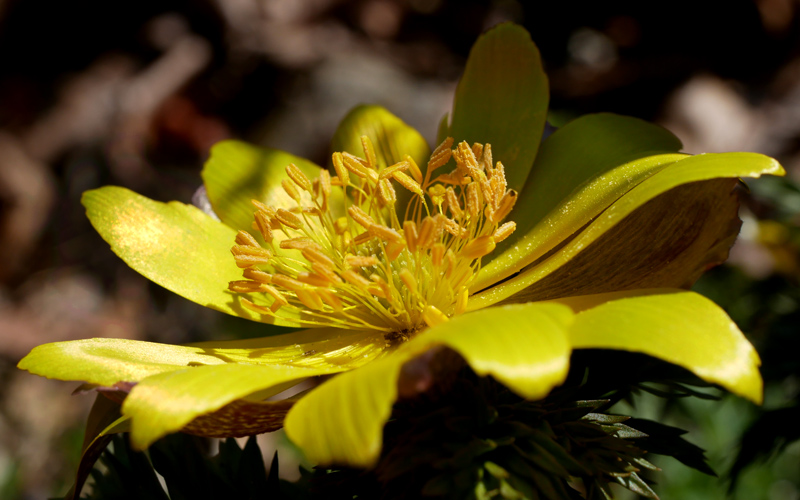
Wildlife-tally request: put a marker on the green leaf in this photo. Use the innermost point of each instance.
(238, 172)
(683, 328)
(502, 99)
(108, 361)
(175, 245)
(391, 137)
(527, 351)
(573, 161)
(669, 242)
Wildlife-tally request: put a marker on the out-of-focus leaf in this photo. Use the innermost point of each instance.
(502, 99)
(238, 172)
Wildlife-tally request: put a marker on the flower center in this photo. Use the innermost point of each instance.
(339, 255)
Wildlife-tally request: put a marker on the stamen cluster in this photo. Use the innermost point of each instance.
(363, 268)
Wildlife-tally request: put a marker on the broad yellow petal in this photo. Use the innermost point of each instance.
(523, 346)
(173, 244)
(683, 328)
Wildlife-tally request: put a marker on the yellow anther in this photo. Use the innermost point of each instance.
(277, 295)
(341, 170)
(477, 150)
(473, 200)
(433, 316)
(408, 183)
(330, 298)
(393, 249)
(325, 187)
(361, 260)
(326, 272)
(298, 243)
(310, 299)
(426, 233)
(386, 192)
(269, 211)
(504, 207)
(487, 158)
(356, 279)
(444, 146)
(246, 256)
(355, 165)
(263, 225)
(369, 152)
(245, 238)
(289, 219)
(477, 248)
(400, 166)
(291, 190)
(504, 231)
(287, 282)
(385, 233)
(244, 286)
(256, 275)
(500, 173)
(313, 279)
(416, 173)
(316, 255)
(363, 238)
(453, 228)
(453, 204)
(361, 217)
(408, 279)
(462, 299)
(437, 254)
(439, 160)
(410, 231)
(340, 225)
(299, 178)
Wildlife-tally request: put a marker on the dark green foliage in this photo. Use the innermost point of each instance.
(482, 441)
(129, 475)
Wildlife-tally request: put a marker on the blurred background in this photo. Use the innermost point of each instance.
(134, 93)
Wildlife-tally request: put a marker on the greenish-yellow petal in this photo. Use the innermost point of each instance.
(568, 217)
(166, 402)
(523, 346)
(574, 160)
(173, 244)
(106, 362)
(680, 327)
(237, 172)
(663, 232)
(502, 99)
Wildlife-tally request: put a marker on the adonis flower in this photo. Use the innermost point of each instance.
(507, 249)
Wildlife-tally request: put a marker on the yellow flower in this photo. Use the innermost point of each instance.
(397, 251)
